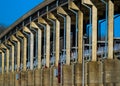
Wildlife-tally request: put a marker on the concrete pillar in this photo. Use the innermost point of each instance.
(27, 30)
(19, 34)
(39, 42)
(42, 21)
(13, 38)
(110, 28)
(7, 57)
(3, 56)
(57, 37)
(12, 46)
(94, 29)
(73, 6)
(94, 33)
(2, 75)
(68, 30)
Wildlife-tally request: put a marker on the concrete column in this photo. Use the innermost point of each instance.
(19, 34)
(2, 60)
(68, 30)
(13, 38)
(73, 6)
(94, 33)
(42, 21)
(27, 30)
(57, 37)
(110, 28)
(12, 46)
(39, 42)
(7, 57)
(94, 29)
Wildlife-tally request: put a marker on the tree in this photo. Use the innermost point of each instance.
(2, 28)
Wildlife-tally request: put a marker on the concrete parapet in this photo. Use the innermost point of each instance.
(111, 72)
(30, 78)
(78, 74)
(6, 79)
(17, 80)
(11, 79)
(67, 75)
(54, 76)
(37, 77)
(23, 78)
(95, 73)
(46, 77)
(1, 79)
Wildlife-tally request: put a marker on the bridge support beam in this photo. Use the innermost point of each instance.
(12, 48)
(7, 57)
(60, 10)
(13, 38)
(2, 75)
(3, 57)
(21, 35)
(57, 35)
(31, 46)
(34, 26)
(110, 28)
(42, 21)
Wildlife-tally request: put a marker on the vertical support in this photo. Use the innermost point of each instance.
(68, 30)
(2, 60)
(42, 21)
(24, 49)
(72, 5)
(94, 33)
(80, 36)
(39, 42)
(57, 37)
(110, 28)
(94, 29)
(13, 38)
(12, 46)
(27, 30)
(7, 57)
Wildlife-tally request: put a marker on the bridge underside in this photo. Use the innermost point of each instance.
(60, 43)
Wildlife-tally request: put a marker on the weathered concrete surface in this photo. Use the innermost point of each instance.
(54, 77)
(11, 79)
(37, 77)
(1, 79)
(17, 81)
(23, 78)
(111, 72)
(78, 74)
(46, 77)
(67, 75)
(6, 79)
(30, 76)
(95, 73)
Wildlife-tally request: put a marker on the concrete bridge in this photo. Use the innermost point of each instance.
(49, 46)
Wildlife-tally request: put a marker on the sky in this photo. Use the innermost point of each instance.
(11, 10)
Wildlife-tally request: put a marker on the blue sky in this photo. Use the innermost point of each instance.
(11, 10)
